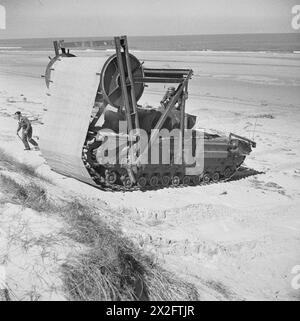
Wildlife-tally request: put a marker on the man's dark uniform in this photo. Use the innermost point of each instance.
(25, 124)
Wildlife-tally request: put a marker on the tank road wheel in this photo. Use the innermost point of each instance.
(195, 180)
(216, 177)
(175, 180)
(206, 178)
(111, 177)
(227, 173)
(186, 180)
(142, 181)
(165, 180)
(153, 181)
(127, 182)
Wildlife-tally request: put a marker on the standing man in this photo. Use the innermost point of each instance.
(25, 125)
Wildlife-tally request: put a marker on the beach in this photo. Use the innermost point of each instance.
(236, 240)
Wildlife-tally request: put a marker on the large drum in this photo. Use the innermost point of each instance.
(110, 80)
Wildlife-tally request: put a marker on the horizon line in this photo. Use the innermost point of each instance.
(148, 36)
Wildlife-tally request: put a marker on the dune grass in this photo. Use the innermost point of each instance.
(31, 195)
(12, 164)
(113, 268)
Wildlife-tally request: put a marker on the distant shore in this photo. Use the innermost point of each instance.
(287, 42)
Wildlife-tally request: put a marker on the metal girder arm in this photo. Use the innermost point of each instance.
(126, 80)
(182, 87)
(129, 100)
(169, 73)
(158, 80)
(182, 116)
(163, 76)
(98, 115)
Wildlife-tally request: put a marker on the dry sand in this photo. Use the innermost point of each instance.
(236, 240)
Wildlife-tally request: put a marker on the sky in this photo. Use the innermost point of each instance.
(82, 18)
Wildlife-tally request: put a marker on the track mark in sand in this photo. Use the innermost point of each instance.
(268, 186)
(221, 288)
(216, 288)
(202, 247)
(192, 212)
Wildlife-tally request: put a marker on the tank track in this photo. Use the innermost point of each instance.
(90, 144)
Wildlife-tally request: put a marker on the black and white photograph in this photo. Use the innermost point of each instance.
(150, 151)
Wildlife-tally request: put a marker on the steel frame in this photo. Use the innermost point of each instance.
(127, 80)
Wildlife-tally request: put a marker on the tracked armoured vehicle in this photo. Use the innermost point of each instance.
(95, 130)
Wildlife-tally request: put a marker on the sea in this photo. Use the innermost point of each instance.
(287, 42)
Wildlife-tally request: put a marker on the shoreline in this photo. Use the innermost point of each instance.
(202, 51)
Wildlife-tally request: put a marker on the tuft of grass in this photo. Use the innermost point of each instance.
(26, 170)
(115, 269)
(31, 195)
(13, 164)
